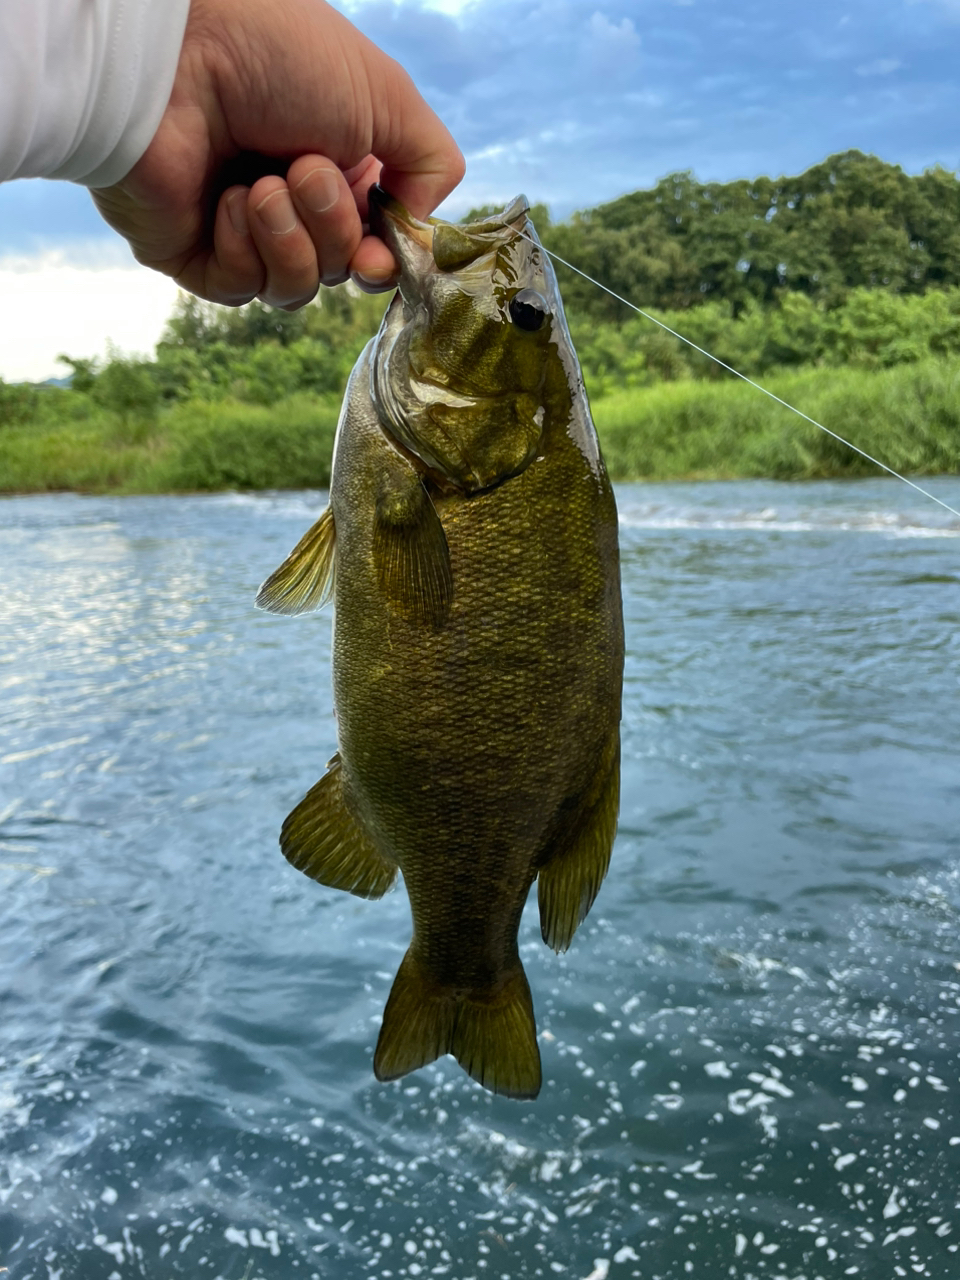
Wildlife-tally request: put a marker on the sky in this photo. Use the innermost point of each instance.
(571, 102)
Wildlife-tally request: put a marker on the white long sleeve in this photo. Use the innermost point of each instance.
(84, 84)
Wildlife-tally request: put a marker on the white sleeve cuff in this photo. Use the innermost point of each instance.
(84, 84)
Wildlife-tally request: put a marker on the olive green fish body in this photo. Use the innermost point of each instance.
(478, 652)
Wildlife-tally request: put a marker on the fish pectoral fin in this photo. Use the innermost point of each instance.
(570, 879)
(410, 552)
(322, 839)
(305, 579)
(491, 1033)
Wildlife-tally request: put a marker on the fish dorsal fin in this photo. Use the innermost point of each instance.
(571, 877)
(305, 579)
(322, 839)
(410, 552)
(491, 1033)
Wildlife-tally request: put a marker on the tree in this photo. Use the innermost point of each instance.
(128, 387)
(851, 222)
(84, 376)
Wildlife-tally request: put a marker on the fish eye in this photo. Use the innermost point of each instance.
(528, 310)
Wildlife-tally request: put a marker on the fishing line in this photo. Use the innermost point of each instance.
(743, 377)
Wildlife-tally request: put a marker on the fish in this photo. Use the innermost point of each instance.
(471, 550)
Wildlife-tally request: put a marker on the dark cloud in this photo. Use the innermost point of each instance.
(576, 101)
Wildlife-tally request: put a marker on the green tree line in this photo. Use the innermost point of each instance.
(852, 222)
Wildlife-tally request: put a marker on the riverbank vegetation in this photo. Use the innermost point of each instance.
(840, 289)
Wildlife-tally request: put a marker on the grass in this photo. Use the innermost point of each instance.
(908, 416)
(193, 447)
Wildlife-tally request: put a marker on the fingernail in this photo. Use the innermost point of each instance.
(374, 279)
(277, 213)
(237, 212)
(319, 190)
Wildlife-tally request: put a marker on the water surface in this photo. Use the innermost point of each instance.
(750, 1052)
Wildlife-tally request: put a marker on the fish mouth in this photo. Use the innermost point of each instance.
(449, 246)
(388, 218)
(382, 204)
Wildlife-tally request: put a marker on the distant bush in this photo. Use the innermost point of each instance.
(128, 388)
(18, 404)
(237, 446)
(260, 356)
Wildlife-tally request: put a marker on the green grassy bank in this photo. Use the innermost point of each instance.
(192, 447)
(909, 416)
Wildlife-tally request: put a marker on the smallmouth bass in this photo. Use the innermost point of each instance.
(470, 546)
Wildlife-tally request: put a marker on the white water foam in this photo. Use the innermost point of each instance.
(891, 524)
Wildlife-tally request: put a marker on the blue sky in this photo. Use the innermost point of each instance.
(579, 102)
(575, 103)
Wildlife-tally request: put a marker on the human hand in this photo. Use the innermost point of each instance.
(295, 81)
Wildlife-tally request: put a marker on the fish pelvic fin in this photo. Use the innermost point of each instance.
(570, 879)
(322, 839)
(410, 552)
(305, 579)
(491, 1033)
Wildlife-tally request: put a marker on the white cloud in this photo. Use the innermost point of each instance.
(950, 6)
(451, 7)
(76, 304)
(881, 67)
(616, 33)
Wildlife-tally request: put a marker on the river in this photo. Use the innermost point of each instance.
(750, 1053)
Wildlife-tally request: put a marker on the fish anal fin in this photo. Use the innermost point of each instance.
(305, 579)
(491, 1033)
(322, 839)
(410, 552)
(569, 880)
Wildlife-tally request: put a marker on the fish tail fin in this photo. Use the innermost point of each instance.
(495, 1038)
(418, 1022)
(491, 1032)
